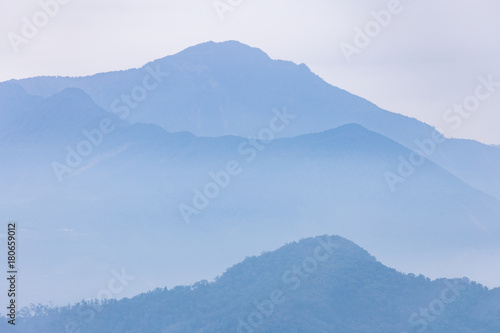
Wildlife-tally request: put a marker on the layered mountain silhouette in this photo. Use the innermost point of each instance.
(321, 284)
(141, 187)
(228, 88)
(176, 185)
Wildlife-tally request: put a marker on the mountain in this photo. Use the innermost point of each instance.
(321, 284)
(93, 198)
(228, 88)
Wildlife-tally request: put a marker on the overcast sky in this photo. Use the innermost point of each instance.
(426, 59)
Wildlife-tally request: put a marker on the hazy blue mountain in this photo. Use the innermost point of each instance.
(14, 104)
(321, 284)
(119, 206)
(228, 88)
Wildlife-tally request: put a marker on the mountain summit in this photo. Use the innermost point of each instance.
(322, 284)
(229, 88)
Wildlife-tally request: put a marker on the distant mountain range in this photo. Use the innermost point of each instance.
(215, 89)
(177, 186)
(322, 284)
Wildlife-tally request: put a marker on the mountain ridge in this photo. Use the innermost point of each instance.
(317, 284)
(139, 174)
(208, 96)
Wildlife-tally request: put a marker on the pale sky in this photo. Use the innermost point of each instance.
(426, 59)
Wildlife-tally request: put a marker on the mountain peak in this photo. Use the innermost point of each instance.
(73, 93)
(219, 54)
(11, 88)
(230, 48)
(315, 285)
(342, 252)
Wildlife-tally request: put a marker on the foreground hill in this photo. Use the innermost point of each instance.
(323, 284)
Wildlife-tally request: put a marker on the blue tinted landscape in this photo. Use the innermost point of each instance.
(218, 189)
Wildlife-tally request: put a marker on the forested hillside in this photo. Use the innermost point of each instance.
(322, 284)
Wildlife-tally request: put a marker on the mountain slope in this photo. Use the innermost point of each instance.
(215, 89)
(322, 284)
(138, 176)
